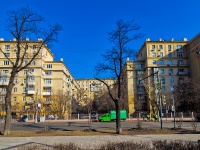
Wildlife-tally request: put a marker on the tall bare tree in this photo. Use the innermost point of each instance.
(114, 60)
(187, 96)
(23, 23)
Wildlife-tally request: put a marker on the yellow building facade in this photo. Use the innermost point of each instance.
(168, 58)
(37, 83)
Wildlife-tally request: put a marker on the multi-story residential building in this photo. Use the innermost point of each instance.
(94, 88)
(193, 53)
(37, 83)
(168, 58)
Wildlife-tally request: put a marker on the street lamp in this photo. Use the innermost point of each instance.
(172, 89)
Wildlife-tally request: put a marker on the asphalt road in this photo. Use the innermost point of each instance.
(81, 125)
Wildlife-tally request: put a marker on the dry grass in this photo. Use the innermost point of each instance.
(131, 131)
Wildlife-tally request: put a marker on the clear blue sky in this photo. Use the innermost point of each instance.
(86, 24)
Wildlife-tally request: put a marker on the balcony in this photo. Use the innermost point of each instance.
(184, 73)
(46, 93)
(4, 74)
(30, 92)
(31, 82)
(29, 101)
(47, 85)
(3, 83)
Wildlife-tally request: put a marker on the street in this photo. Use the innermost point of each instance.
(82, 125)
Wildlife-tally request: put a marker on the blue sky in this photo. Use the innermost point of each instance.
(86, 24)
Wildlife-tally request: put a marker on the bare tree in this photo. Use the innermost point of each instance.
(187, 96)
(114, 60)
(23, 23)
(61, 103)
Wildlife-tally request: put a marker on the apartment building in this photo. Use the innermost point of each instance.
(167, 57)
(38, 83)
(93, 88)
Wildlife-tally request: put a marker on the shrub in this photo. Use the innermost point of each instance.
(125, 146)
(175, 145)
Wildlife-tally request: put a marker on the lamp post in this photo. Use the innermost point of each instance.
(172, 89)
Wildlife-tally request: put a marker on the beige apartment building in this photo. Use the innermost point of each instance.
(167, 57)
(37, 84)
(93, 88)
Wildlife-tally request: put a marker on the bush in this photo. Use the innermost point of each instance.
(131, 145)
(125, 146)
(175, 145)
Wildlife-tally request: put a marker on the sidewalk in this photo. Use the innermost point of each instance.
(7, 143)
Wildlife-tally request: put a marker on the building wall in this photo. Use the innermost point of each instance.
(43, 77)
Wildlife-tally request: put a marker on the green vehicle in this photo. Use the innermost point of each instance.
(111, 116)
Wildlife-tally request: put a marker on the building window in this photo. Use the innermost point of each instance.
(162, 79)
(163, 88)
(26, 55)
(161, 54)
(155, 70)
(171, 79)
(169, 47)
(162, 71)
(180, 70)
(48, 99)
(49, 65)
(24, 99)
(153, 54)
(25, 71)
(47, 81)
(161, 62)
(24, 90)
(7, 47)
(48, 73)
(47, 89)
(178, 47)
(34, 47)
(170, 71)
(14, 99)
(5, 72)
(170, 62)
(179, 54)
(139, 72)
(33, 62)
(170, 55)
(6, 63)
(31, 70)
(160, 47)
(15, 89)
(153, 47)
(25, 62)
(180, 62)
(7, 54)
(154, 62)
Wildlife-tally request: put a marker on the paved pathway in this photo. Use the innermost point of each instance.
(7, 143)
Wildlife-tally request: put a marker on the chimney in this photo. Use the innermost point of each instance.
(160, 39)
(27, 39)
(61, 59)
(40, 39)
(172, 39)
(147, 39)
(14, 39)
(127, 59)
(184, 39)
(1, 39)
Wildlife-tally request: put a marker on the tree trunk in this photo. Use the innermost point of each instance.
(8, 106)
(118, 122)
